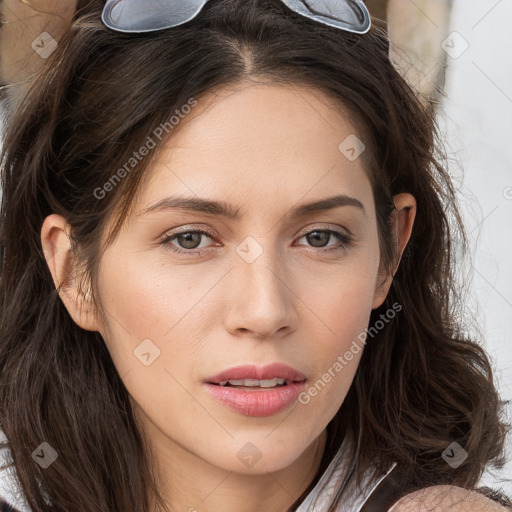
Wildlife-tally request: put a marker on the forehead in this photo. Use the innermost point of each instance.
(265, 109)
(257, 143)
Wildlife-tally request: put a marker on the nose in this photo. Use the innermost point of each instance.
(261, 300)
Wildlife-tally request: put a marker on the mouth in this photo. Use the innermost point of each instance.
(260, 398)
(254, 384)
(251, 377)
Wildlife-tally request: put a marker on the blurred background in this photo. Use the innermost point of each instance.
(476, 117)
(456, 54)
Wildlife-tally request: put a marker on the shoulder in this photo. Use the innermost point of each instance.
(5, 507)
(439, 498)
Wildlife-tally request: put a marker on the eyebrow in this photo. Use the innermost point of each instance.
(223, 209)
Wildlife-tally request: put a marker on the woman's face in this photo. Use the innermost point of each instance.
(273, 285)
(29, 34)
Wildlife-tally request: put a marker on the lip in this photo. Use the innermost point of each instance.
(252, 371)
(264, 402)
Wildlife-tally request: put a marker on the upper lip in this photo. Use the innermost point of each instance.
(252, 371)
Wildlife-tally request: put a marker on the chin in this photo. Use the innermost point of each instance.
(260, 457)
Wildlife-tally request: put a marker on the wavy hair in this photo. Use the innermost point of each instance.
(422, 382)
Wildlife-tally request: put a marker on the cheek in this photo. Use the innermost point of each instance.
(158, 316)
(342, 296)
(151, 324)
(341, 307)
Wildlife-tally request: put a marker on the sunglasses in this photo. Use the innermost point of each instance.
(135, 16)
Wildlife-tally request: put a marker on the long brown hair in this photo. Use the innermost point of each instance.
(422, 382)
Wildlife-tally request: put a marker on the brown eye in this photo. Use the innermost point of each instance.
(186, 242)
(189, 240)
(318, 238)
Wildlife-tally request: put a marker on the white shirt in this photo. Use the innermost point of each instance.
(353, 500)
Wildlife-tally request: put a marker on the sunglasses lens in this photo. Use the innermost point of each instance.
(350, 15)
(149, 15)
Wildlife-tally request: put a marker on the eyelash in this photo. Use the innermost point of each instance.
(342, 237)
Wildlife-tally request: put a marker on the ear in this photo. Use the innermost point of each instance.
(58, 252)
(402, 219)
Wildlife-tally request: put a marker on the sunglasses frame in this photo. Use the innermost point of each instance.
(301, 7)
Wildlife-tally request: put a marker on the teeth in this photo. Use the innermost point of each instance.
(269, 383)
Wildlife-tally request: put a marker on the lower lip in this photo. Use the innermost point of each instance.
(264, 402)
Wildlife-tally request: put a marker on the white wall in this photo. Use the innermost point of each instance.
(477, 120)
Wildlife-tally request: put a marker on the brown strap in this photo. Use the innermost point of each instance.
(388, 492)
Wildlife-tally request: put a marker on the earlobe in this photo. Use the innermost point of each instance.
(57, 249)
(382, 287)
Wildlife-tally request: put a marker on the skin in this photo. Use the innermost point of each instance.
(263, 149)
(23, 22)
(442, 498)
